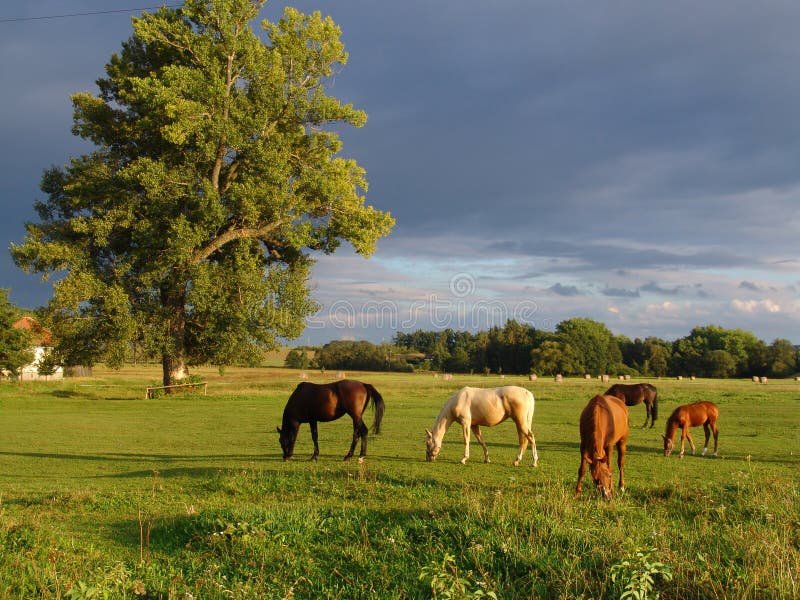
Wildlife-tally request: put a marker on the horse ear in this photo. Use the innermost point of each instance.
(428, 433)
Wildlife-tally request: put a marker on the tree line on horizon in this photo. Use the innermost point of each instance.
(576, 347)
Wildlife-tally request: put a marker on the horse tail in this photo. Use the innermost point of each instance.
(531, 406)
(654, 409)
(377, 400)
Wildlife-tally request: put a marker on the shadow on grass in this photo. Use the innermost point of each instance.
(144, 457)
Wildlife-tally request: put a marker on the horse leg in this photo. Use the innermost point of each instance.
(466, 425)
(363, 430)
(479, 436)
(535, 453)
(313, 426)
(686, 435)
(524, 437)
(716, 433)
(646, 414)
(581, 473)
(356, 435)
(621, 449)
(707, 431)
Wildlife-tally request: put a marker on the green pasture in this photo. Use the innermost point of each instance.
(104, 494)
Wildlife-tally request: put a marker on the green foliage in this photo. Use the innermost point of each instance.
(215, 172)
(297, 359)
(15, 343)
(637, 576)
(782, 358)
(595, 350)
(361, 356)
(447, 583)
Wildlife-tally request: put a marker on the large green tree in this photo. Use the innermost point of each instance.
(187, 229)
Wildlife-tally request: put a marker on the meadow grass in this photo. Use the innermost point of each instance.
(104, 494)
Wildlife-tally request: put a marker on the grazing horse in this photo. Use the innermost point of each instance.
(637, 393)
(473, 407)
(692, 415)
(312, 402)
(603, 425)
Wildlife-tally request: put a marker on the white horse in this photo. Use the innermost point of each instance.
(473, 407)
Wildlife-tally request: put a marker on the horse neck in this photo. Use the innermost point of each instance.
(290, 419)
(672, 427)
(441, 424)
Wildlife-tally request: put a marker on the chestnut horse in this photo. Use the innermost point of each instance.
(312, 403)
(692, 415)
(637, 393)
(604, 424)
(473, 407)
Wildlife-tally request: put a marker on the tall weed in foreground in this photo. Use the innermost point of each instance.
(637, 576)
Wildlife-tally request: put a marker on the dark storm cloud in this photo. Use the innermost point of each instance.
(748, 285)
(564, 290)
(620, 293)
(654, 288)
(613, 144)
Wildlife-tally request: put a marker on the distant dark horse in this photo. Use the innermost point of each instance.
(636, 394)
(311, 403)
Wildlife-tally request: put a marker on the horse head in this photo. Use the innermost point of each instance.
(601, 475)
(431, 449)
(287, 438)
(668, 443)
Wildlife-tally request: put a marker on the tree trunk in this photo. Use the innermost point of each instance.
(173, 357)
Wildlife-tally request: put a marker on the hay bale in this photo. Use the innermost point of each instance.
(559, 378)
(534, 377)
(763, 380)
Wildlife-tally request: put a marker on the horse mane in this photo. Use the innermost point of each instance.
(591, 428)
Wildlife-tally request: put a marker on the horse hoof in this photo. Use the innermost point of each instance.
(360, 459)
(463, 461)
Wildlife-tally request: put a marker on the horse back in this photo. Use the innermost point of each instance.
(314, 402)
(604, 422)
(694, 414)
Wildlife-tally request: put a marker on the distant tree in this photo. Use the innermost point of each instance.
(554, 357)
(781, 358)
(657, 355)
(595, 348)
(718, 364)
(15, 344)
(188, 228)
(297, 359)
(362, 356)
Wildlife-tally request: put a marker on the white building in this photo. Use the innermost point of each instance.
(43, 345)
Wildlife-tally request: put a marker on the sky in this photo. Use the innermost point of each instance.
(631, 162)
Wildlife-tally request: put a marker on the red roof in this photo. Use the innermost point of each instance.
(41, 336)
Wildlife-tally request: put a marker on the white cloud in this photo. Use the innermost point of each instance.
(756, 306)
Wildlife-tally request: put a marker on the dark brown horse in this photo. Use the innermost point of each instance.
(637, 393)
(604, 424)
(692, 415)
(313, 403)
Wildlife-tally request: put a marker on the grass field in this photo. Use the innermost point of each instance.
(104, 494)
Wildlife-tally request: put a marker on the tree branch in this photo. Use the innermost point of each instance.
(230, 235)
